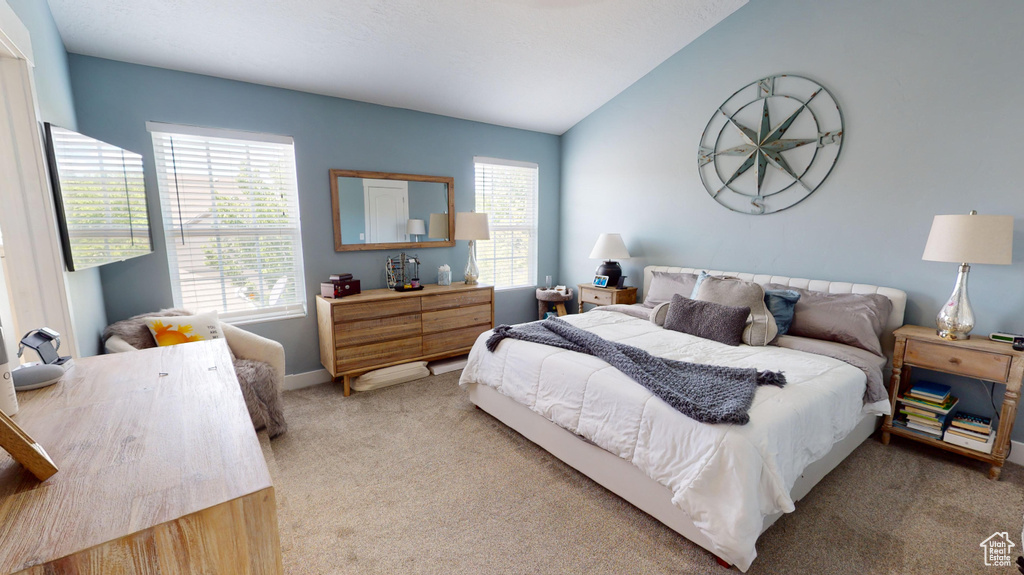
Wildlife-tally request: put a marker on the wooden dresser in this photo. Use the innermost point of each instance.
(160, 471)
(380, 328)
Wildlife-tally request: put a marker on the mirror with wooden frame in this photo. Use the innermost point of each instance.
(384, 211)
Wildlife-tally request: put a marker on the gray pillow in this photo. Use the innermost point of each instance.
(664, 285)
(761, 328)
(709, 320)
(853, 319)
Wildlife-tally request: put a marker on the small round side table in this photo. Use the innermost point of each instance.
(546, 297)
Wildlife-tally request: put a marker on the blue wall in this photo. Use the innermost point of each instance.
(56, 105)
(114, 100)
(930, 100)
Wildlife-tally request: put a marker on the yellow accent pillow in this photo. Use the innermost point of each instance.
(184, 328)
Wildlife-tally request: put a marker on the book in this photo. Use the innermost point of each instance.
(930, 391)
(942, 408)
(918, 411)
(929, 431)
(969, 434)
(340, 277)
(903, 425)
(931, 417)
(925, 421)
(972, 422)
(956, 439)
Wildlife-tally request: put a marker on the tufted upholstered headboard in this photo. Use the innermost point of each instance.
(897, 297)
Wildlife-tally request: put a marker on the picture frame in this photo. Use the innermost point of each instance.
(24, 449)
(601, 281)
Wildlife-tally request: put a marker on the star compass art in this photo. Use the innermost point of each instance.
(770, 145)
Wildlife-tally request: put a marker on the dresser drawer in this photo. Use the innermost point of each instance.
(378, 329)
(969, 362)
(457, 299)
(597, 296)
(374, 309)
(451, 340)
(359, 356)
(448, 319)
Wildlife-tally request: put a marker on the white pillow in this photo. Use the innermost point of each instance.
(391, 376)
(184, 328)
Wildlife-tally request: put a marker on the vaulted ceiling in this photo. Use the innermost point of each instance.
(534, 64)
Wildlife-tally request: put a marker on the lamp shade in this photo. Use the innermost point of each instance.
(970, 239)
(438, 226)
(415, 227)
(471, 226)
(609, 247)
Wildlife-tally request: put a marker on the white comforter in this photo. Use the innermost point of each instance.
(727, 478)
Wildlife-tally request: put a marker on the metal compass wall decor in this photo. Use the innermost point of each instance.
(770, 145)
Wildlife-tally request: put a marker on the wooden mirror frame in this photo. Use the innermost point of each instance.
(336, 210)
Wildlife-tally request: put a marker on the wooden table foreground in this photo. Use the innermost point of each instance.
(160, 471)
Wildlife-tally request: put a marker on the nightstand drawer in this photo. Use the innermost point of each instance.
(972, 363)
(596, 296)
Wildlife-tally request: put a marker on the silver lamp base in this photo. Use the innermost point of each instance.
(472, 270)
(956, 318)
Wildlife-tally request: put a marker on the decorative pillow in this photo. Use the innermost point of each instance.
(761, 328)
(782, 305)
(183, 329)
(696, 285)
(666, 284)
(853, 319)
(721, 323)
(660, 312)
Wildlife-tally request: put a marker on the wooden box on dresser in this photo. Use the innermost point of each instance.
(380, 328)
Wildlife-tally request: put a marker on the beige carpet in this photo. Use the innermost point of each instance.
(414, 479)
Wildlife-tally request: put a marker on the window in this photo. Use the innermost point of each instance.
(507, 192)
(231, 216)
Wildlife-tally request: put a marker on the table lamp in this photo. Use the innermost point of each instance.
(966, 239)
(472, 226)
(438, 227)
(610, 247)
(416, 228)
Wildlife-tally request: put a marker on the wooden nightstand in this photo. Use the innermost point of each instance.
(605, 296)
(976, 358)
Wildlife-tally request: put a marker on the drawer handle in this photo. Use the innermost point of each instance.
(955, 360)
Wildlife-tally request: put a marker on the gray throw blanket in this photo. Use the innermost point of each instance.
(706, 393)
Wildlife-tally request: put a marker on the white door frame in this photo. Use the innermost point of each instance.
(31, 241)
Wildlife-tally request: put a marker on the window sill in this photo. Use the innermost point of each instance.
(515, 288)
(263, 319)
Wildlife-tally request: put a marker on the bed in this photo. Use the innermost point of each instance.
(719, 486)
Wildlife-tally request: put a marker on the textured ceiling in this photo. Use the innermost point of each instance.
(535, 64)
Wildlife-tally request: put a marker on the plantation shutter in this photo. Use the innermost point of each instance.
(507, 192)
(231, 215)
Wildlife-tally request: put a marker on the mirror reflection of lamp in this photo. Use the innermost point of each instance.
(472, 226)
(438, 227)
(415, 228)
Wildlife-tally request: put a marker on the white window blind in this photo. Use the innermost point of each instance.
(231, 215)
(507, 192)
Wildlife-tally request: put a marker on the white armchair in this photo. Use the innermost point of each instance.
(244, 344)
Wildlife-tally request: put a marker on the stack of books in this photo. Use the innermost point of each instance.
(925, 409)
(970, 431)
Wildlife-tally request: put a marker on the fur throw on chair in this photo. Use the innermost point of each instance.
(255, 378)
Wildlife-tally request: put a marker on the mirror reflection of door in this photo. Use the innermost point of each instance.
(387, 210)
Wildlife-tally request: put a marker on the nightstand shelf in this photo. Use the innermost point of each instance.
(592, 294)
(977, 358)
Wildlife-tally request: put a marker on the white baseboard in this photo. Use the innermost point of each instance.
(308, 379)
(1016, 452)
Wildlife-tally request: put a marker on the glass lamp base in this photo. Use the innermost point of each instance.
(956, 318)
(472, 270)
